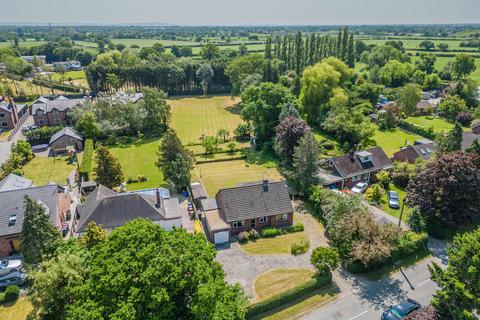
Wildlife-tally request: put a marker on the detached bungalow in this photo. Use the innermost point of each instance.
(356, 166)
(412, 153)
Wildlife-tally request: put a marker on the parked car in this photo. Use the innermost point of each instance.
(401, 310)
(7, 266)
(13, 278)
(26, 128)
(393, 201)
(360, 187)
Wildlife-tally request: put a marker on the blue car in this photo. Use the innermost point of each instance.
(401, 310)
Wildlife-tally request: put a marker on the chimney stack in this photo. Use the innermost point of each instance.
(265, 185)
(158, 198)
(351, 154)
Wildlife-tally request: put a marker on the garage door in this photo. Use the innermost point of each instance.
(221, 237)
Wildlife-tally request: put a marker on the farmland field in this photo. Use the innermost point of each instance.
(194, 116)
(24, 44)
(392, 140)
(414, 43)
(150, 42)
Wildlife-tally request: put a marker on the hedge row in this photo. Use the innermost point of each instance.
(87, 160)
(241, 157)
(287, 296)
(41, 135)
(57, 85)
(409, 244)
(424, 132)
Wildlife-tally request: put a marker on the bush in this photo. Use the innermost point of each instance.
(2, 297)
(297, 227)
(299, 248)
(87, 160)
(11, 293)
(464, 118)
(270, 232)
(428, 133)
(254, 234)
(41, 135)
(287, 296)
(383, 177)
(243, 236)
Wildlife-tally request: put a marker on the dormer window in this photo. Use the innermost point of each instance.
(40, 112)
(364, 156)
(12, 220)
(55, 111)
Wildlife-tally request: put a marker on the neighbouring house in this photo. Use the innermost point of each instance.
(245, 207)
(198, 193)
(8, 114)
(30, 59)
(48, 112)
(427, 106)
(12, 210)
(447, 89)
(15, 182)
(476, 128)
(386, 105)
(468, 138)
(127, 97)
(356, 166)
(412, 153)
(427, 95)
(373, 117)
(64, 140)
(68, 65)
(112, 210)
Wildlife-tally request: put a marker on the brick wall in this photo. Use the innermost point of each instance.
(51, 119)
(64, 141)
(271, 222)
(9, 244)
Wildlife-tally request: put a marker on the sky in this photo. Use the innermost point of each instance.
(240, 12)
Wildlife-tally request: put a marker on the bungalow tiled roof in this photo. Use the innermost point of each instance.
(65, 132)
(412, 153)
(254, 201)
(350, 165)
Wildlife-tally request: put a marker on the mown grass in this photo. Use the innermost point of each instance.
(193, 117)
(42, 170)
(277, 245)
(277, 281)
(393, 139)
(407, 211)
(438, 124)
(16, 310)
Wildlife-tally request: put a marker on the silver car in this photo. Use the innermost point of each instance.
(7, 266)
(15, 278)
(393, 201)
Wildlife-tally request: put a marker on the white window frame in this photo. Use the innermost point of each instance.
(356, 178)
(40, 112)
(367, 176)
(282, 217)
(55, 111)
(238, 224)
(4, 124)
(263, 219)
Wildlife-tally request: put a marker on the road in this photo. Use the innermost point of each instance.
(5, 145)
(361, 299)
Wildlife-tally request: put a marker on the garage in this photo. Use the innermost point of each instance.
(218, 229)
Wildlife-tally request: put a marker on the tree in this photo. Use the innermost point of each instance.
(223, 133)
(451, 106)
(395, 73)
(38, 238)
(459, 291)
(325, 259)
(288, 134)
(209, 51)
(463, 65)
(205, 75)
(243, 131)
(210, 144)
(374, 194)
(262, 105)
(305, 161)
(447, 191)
(383, 177)
(87, 125)
(174, 160)
(242, 50)
(23, 149)
(408, 98)
(443, 46)
(474, 151)
(426, 63)
(416, 221)
(427, 45)
(290, 110)
(432, 82)
(241, 67)
(94, 234)
(108, 171)
(157, 109)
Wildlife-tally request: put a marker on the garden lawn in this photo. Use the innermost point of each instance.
(438, 124)
(16, 310)
(42, 170)
(227, 174)
(396, 212)
(138, 157)
(74, 75)
(276, 245)
(392, 140)
(193, 117)
(277, 281)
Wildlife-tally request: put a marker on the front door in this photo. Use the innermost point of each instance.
(252, 223)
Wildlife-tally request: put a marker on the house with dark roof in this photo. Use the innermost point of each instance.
(15, 182)
(417, 151)
(112, 210)
(468, 138)
(357, 166)
(12, 211)
(248, 206)
(48, 112)
(198, 193)
(9, 116)
(476, 127)
(65, 139)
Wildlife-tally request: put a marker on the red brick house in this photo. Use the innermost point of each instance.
(50, 113)
(8, 115)
(54, 198)
(357, 166)
(248, 206)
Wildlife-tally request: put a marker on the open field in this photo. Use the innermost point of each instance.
(16, 310)
(74, 75)
(42, 170)
(29, 88)
(194, 116)
(24, 44)
(138, 158)
(277, 281)
(150, 42)
(226, 174)
(392, 140)
(277, 245)
(414, 43)
(438, 124)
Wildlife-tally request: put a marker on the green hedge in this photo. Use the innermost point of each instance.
(241, 157)
(409, 244)
(57, 85)
(41, 135)
(287, 296)
(424, 132)
(11, 293)
(87, 160)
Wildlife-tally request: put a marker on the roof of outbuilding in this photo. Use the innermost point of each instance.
(112, 210)
(12, 204)
(14, 182)
(348, 167)
(215, 221)
(251, 201)
(198, 190)
(65, 132)
(209, 204)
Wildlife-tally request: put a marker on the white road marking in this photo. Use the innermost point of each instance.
(359, 315)
(422, 283)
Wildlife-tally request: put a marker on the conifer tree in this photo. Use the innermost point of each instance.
(268, 49)
(108, 170)
(351, 52)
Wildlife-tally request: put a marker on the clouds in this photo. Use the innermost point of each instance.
(235, 12)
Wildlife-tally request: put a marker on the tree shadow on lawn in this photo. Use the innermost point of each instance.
(126, 142)
(380, 293)
(235, 109)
